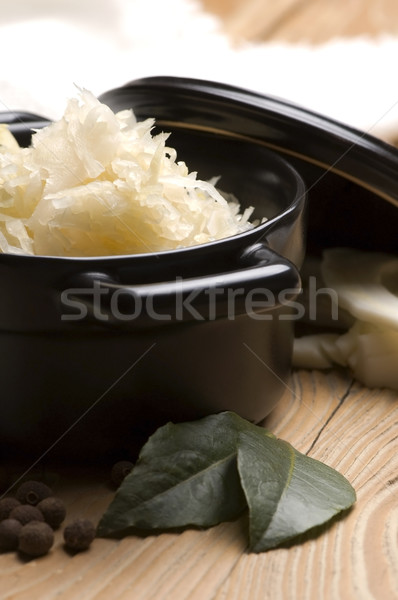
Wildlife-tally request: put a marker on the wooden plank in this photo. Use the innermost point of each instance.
(357, 556)
(254, 19)
(312, 21)
(322, 20)
(325, 415)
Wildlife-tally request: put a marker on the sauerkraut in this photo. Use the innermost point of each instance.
(97, 183)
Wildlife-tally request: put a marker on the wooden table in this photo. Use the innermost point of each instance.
(310, 21)
(327, 415)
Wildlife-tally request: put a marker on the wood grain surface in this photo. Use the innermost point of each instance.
(327, 416)
(312, 21)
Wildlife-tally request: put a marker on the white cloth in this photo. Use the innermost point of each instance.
(48, 46)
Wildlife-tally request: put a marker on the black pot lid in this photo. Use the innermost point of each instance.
(352, 177)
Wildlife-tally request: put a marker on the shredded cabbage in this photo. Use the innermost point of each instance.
(97, 183)
(7, 140)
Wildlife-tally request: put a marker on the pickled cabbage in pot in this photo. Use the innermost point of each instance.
(96, 183)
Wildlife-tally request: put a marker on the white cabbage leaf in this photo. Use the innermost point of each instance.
(367, 287)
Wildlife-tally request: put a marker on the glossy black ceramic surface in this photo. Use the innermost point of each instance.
(83, 379)
(95, 387)
(351, 176)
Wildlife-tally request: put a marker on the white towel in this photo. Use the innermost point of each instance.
(48, 46)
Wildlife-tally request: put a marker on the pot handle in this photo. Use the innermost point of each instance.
(263, 282)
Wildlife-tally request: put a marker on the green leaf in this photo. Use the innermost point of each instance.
(204, 472)
(186, 474)
(287, 492)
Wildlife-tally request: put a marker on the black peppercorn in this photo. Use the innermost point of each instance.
(53, 510)
(6, 506)
(31, 492)
(24, 513)
(120, 470)
(79, 534)
(35, 538)
(9, 534)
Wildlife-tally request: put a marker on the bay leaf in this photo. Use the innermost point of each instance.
(287, 492)
(186, 474)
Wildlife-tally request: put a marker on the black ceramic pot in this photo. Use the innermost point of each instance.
(351, 176)
(95, 353)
